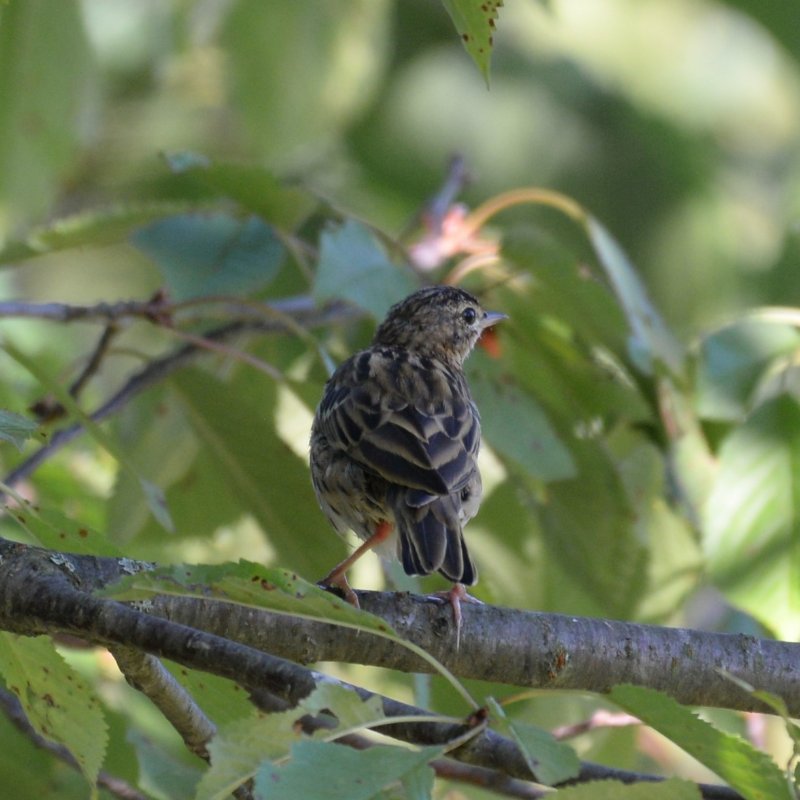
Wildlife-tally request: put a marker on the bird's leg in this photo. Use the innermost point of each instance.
(455, 596)
(337, 576)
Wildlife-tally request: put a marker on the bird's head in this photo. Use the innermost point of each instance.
(442, 322)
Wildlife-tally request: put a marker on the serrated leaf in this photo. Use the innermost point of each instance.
(58, 702)
(348, 708)
(549, 760)
(328, 771)
(248, 584)
(475, 22)
(277, 590)
(354, 266)
(49, 527)
(202, 255)
(241, 746)
(32, 771)
(16, 429)
(590, 527)
(672, 789)
(750, 772)
(751, 523)
(732, 360)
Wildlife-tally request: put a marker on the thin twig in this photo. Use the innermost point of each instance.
(302, 310)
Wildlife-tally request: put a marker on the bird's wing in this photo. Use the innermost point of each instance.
(408, 419)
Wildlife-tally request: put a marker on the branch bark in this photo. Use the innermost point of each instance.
(47, 592)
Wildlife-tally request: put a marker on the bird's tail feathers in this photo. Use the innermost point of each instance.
(430, 538)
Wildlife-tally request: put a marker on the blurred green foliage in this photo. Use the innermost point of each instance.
(220, 162)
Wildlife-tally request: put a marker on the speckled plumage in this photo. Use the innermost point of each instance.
(396, 435)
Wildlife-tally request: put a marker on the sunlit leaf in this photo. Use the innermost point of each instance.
(731, 362)
(752, 523)
(249, 584)
(240, 747)
(59, 703)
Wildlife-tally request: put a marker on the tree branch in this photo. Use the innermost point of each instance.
(46, 592)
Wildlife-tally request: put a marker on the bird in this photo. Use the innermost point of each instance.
(395, 439)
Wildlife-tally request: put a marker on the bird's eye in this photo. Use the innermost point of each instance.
(469, 315)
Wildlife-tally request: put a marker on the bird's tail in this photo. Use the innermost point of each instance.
(430, 537)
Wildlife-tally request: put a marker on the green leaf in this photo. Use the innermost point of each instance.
(516, 425)
(354, 266)
(58, 702)
(589, 525)
(40, 102)
(475, 22)
(15, 428)
(32, 771)
(672, 789)
(731, 362)
(750, 772)
(328, 771)
(248, 584)
(91, 228)
(241, 746)
(49, 527)
(161, 774)
(234, 423)
(652, 344)
(549, 760)
(212, 254)
(751, 523)
(253, 187)
(221, 699)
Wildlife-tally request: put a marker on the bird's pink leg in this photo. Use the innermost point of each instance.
(337, 576)
(455, 596)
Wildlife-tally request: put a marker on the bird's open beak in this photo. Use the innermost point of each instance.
(492, 318)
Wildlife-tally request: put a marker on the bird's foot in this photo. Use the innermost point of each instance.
(338, 582)
(455, 596)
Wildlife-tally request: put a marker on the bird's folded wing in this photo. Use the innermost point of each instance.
(413, 425)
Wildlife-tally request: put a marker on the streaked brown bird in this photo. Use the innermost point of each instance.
(396, 436)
